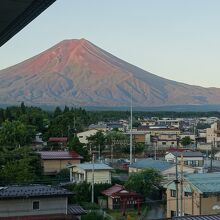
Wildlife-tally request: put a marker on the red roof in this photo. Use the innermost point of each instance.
(112, 190)
(59, 155)
(58, 139)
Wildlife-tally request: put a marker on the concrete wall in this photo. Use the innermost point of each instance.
(24, 207)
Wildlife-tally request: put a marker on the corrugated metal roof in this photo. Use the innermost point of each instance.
(150, 163)
(76, 210)
(97, 166)
(198, 217)
(32, 191)
(205, 182)
(172, 185)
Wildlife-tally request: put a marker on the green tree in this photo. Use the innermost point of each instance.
(23, 108)
(57, 112)
(15, 134)
(2, 117)
(97, 141)
(186, 141)
(8, 114)
(20, 165)
(144, 182)
(81, 149)
(116, 141)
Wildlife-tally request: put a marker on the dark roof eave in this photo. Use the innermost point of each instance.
(36, 196)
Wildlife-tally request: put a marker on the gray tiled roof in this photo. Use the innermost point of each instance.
(32, 191)
(150, 163)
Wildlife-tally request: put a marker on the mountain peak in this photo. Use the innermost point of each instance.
(75, 71)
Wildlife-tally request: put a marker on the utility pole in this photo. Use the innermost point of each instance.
(92, 196)
(155, 150)
(112, 152)
(99, 153)
(212, 145)
(176, 182)
(131, 145)
(181, 186)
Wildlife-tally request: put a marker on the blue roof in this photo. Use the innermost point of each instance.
(150, 163)
(97, 166)
(205, 182)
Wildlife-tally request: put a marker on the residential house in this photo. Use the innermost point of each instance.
(166, 169)
(165, 140)
(139, 136)
(201, 195)
(37, 202)
(190, 158)
(84, 172)
(118, 197)
(85, 134)
(60, 142)
(54, 161)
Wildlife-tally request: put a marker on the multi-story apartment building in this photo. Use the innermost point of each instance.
(200, 195)
(213, 134)
(160, 136)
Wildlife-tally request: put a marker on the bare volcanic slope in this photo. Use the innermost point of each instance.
(76, 72)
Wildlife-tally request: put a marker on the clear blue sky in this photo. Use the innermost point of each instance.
(175, 39)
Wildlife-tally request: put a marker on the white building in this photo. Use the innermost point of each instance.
(84, 172)
(190, 158)
(84, 135)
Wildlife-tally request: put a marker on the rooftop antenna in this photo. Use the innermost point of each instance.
(131, 144)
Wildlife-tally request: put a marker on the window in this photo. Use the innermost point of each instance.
(205, 195)
(186, 194)
(36, 205)
(164, 143)
(173, 193)
(173, 213)
(185, 162)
